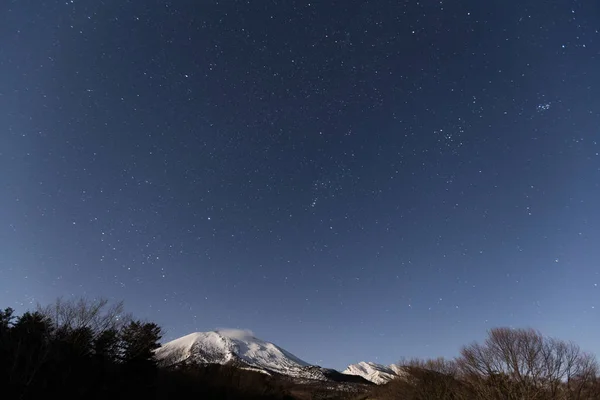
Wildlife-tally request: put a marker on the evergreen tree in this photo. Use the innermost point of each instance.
(106, 346)
(6, 348)
(6, 318)
(31, 339)
(139, 340)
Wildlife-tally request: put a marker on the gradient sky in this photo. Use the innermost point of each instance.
(351, 180)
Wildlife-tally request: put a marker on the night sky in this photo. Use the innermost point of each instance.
(351, 180)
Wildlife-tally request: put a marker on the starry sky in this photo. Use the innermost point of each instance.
(351, 180)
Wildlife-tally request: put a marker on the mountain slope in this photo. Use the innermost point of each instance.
(373, 372)
(240, 348)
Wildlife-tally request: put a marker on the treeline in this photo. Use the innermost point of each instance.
(511, 364)
(82, 349)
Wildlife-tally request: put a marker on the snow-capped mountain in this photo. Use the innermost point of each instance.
(242, 349)
(226, 346)
(373, 372)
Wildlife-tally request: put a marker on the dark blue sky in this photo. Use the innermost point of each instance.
(352, 180)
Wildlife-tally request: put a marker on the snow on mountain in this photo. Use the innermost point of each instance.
(373, 372)
(238, 347)
(397, 369)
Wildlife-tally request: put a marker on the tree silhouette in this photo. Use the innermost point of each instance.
(524, 364)
(106, 346)
(139, 340)
(31, 338)
(6, 318)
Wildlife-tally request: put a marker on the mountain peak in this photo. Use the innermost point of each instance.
(241, 334)
(231, 345)
(373, 372)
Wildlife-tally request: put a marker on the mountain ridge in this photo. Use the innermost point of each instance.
(242, 349)
(373, 372)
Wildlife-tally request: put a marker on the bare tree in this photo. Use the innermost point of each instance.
(425, 379)
(439, 365)
(97, 315)
(522, 364)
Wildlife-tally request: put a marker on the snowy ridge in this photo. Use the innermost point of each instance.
(238, 347)
(373, 372)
